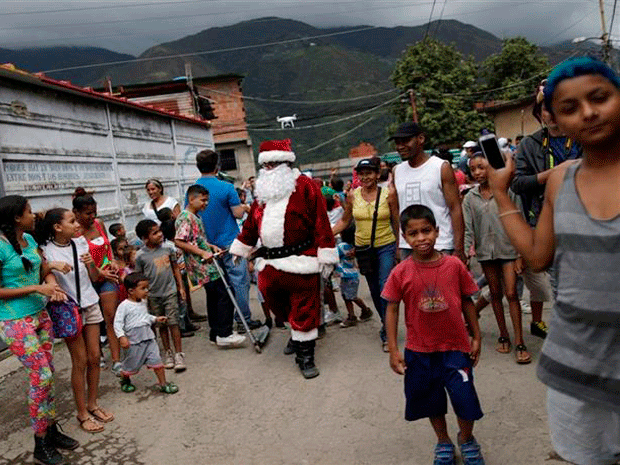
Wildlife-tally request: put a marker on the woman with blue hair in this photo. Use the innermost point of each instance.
(579, 231)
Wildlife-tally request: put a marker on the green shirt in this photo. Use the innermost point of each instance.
(13, 276)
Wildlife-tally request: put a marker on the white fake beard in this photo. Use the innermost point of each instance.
(275, 184)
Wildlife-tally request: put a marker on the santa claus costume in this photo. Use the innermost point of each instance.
(288, 231)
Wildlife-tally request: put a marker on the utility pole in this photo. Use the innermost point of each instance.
(413, 105)
(605, 37)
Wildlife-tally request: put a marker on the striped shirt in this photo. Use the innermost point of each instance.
(581, 354)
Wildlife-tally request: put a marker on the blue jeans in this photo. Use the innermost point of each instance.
(376, 280)
(239, 280)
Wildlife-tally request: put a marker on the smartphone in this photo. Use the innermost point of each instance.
(490, 148)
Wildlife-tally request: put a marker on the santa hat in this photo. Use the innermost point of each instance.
(271, 151)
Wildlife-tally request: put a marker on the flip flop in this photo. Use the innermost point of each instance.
(523, 357)
(90, 425)
(503, 345)
(101, 415)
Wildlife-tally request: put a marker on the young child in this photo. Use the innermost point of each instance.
(117, 230)
(436, 290)
(350, 279)
(192, 240)
(159, 265)
(579, 231)
(120, 248)
(496, 255)
(132, 325)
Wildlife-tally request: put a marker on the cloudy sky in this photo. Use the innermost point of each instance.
(131, 26)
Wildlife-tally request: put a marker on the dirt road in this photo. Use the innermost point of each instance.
(239, 407)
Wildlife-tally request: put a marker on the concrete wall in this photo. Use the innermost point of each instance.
(53, 141)
(511, 122)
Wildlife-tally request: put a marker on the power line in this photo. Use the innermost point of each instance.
(208, 52)
(328, 123)
(308, 102)
(443, 8)
(104, 7)
(151, 18)
(322, 144)
(613, 16)
(429, 19)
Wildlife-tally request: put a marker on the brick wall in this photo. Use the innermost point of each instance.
(227, 103)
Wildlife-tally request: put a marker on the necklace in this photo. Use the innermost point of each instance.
(61, 245)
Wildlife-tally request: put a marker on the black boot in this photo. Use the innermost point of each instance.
(59, 440)
(45, 453)
(305, 359)
(291, 347)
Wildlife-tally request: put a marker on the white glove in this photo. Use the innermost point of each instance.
(326, 270)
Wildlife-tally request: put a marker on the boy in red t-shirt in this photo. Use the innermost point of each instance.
(436, 290)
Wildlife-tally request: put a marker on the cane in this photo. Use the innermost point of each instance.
(257, 345)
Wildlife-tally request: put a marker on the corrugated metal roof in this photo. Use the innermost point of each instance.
(9, 71)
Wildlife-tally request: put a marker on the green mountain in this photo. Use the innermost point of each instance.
(335, 71)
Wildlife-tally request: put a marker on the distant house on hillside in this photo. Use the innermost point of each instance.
(512, 117)
(363, 150)
(218, 99)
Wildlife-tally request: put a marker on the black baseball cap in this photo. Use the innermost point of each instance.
(406, 130)
(369, 164)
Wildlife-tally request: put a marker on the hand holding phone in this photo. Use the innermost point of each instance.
(490, 149)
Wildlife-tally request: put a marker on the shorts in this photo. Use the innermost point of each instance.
(140, 354)
(427, 378)
(349, 287)
(91, 315)
(167, 306)
(538, 285)
(582, 432)
(101, 287)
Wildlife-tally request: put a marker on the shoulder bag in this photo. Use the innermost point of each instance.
(66, 316)
(366, 255)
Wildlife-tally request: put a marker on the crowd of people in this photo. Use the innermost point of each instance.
(548, 220)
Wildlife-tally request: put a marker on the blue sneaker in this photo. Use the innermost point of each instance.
(470, 452)
(444, 454)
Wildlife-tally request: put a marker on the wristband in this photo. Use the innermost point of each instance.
(510, 212)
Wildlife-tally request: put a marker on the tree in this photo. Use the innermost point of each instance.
(519, 66)
(443, 82)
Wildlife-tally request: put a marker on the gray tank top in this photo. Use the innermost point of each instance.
(581, 354)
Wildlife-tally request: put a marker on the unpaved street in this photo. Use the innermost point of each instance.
(239, 407)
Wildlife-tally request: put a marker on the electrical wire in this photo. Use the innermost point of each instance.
(443, 8)
(613, 16)
(328, 123)
(208, 52)
(307, 102)
(346, 133)
(428, 27)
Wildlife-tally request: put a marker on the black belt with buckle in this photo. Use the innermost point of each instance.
(285, 251)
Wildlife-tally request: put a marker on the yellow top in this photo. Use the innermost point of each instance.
(363, 212)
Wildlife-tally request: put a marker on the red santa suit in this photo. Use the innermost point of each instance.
(295, 234)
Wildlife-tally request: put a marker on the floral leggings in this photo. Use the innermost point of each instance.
(31, 340)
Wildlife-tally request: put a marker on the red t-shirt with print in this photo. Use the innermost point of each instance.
(433, 296)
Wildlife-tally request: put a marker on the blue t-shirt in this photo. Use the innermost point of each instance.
(346, 267)
(219, 222)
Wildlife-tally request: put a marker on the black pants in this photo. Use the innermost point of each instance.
(220, 309)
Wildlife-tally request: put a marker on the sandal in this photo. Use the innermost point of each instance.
(101, 415)
(168, 388)
(126, 385)
(523, 357)
(90, 425)
(503, 345)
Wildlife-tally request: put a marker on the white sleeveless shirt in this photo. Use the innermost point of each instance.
(423, 186)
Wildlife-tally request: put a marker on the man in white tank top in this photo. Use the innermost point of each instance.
(425, 180)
